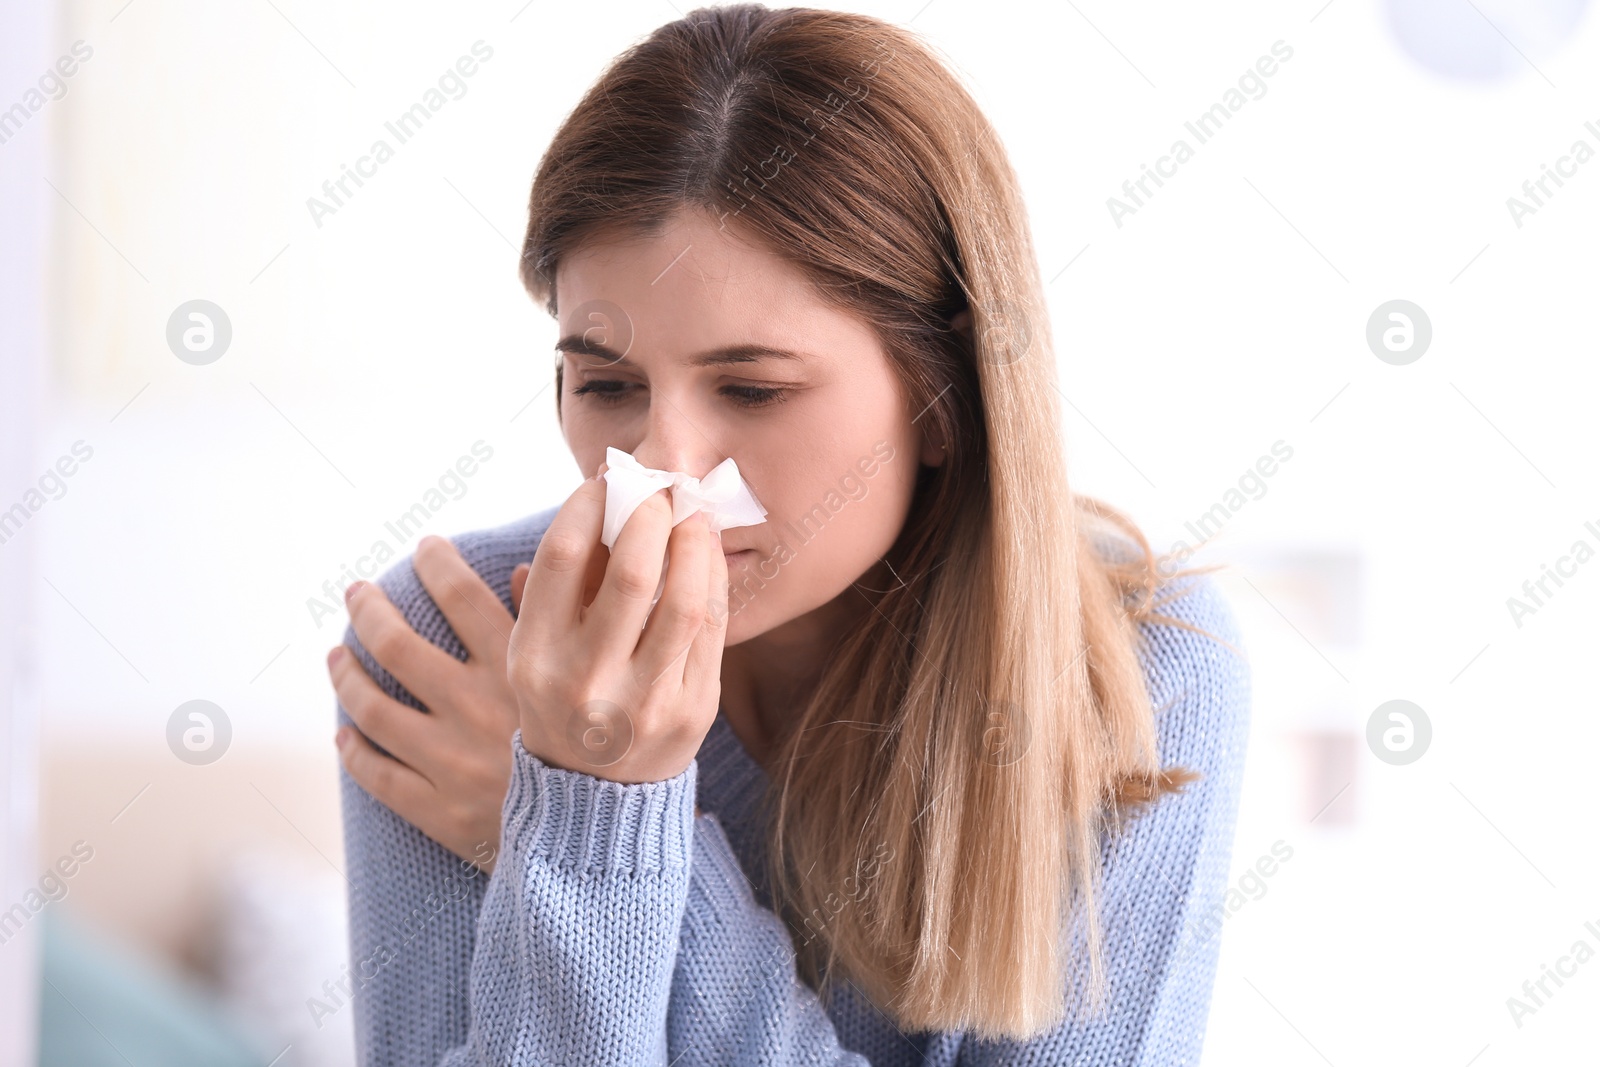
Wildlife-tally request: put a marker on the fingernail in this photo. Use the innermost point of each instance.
(340, 736)
(335, 655)
(351, 590)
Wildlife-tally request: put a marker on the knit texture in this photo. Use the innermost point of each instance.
(619, 929)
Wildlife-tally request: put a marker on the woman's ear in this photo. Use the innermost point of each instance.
(962, 323)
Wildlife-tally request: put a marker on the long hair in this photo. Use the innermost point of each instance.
(935, 815)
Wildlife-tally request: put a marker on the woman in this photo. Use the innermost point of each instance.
(917, 707)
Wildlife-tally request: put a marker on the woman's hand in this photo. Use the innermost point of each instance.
(595, 693)
(448, 771)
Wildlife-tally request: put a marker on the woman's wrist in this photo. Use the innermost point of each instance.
(599, 740)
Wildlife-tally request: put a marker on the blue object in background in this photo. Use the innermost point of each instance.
(1484, 41)
(101, 1004)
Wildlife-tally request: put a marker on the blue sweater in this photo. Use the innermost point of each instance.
(619, 929)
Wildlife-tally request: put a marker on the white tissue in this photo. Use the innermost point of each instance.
(722, 494)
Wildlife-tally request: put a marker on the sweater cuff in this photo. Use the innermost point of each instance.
(578, 821)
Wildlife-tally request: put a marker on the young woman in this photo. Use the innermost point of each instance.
(861, 787)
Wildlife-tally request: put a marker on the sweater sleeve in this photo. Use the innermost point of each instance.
(737, 997)
(578, 935)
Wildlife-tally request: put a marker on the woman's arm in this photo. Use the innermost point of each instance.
(737, 997)
(568, 949)
(413, 903)
(579, 931)
(576, 930)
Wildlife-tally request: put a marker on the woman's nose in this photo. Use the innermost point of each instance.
(678, 432)
(697, 463)
(693, 468)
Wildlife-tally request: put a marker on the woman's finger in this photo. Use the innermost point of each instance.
(477, 616)
(399, 729)
(396, 786)
(681, 612)
(633, 574)
(560, 568)
(519, 582)
(702, 672)
(597, 562)
(426, 670)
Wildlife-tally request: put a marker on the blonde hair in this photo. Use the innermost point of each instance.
(972, 738)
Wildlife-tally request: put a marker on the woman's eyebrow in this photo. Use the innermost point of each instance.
(578, 345)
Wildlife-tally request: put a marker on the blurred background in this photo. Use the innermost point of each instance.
(1347, 337)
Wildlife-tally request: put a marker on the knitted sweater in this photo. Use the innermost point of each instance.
(618, 928)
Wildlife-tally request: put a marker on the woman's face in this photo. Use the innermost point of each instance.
(824, 437)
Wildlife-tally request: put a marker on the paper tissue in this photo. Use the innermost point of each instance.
(722, 495)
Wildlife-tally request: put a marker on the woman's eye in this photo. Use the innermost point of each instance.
(608, 391)
(601, 390)
(754, 396)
